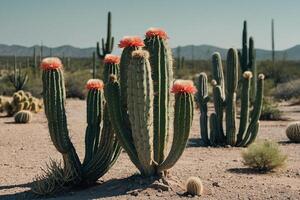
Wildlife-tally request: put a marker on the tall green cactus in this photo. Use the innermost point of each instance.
(140, 110)
(102, 148)
(107, 46)
(17, 78)
(224, 98)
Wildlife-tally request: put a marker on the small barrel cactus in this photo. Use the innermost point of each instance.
(23, 117)
(194, 186)
(293, 131)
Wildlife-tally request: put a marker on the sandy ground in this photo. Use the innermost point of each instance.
(24, 149)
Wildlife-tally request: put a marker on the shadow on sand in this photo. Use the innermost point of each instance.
(110, 188)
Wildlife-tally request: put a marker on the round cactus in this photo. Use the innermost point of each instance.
(194, 186)
(23, 117)
(293, 131)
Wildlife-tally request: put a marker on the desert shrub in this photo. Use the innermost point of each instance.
(263, 156)
(75, 83)
(270, 110)
(288, 90)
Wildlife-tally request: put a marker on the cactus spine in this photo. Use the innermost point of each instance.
(140, 109)
(225, 100)
(102, 148)
(107, 46)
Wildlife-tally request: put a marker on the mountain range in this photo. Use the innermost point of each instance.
(188, 52)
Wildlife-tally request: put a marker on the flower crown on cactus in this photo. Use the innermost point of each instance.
(183, 86)
(51, 63)
(94, 84)
(131, 41)
(156, 32)
(112, 59)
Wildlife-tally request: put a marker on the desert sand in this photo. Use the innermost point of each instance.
(24, 149)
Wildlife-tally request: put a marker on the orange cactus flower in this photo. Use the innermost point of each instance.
(112, 59)
(156, 32)
(51, 63)
(184, 86)
(95, 84)
(131, 41)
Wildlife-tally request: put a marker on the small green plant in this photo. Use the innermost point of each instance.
(263, 156)
(194, 186)
(270, 111)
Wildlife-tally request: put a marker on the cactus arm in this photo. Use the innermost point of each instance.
(232, 80)
(244, 55)
(254, 133)
(94, 117)
(219, 109)
(54, 97)
(244, 116)
(217, 72)
(213, 124)
(140, 110)
(162, 75)
(202, 100)
(255, 113)
(252, 67)
(184, 111)
(123, 133)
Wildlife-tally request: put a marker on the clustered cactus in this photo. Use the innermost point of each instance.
(21, 101)
(23, 117)
(101, 146)
(140, 103)
(224, 99)
(293, 131)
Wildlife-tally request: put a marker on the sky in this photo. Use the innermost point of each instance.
(215, 22)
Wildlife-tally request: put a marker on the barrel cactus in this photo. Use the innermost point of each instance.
(293, 131)
(194, 186)
(23, 117)
(224, 100)
(140, 104)
(101, 147)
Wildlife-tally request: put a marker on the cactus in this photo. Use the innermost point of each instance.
(293, 131)
(94, 65)
(23, 117)
(224, 99)
(101, 147)
(248, 60)
(194, 186)
(17, 78)
(107, 47)
(21, 101)
(140, 104)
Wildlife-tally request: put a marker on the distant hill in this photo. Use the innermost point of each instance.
(200, 51)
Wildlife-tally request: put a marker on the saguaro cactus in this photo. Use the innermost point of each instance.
(107, 46)
(102, 148)
(139, 104)
(224, 98)
(17, 78)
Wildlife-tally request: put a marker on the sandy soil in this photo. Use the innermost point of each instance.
(26, 148)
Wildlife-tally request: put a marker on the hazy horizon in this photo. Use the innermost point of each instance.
(82, 23)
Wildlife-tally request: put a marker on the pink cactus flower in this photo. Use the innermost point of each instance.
(183, 86)
(156, 32)
(51, 63)
(112, 59)
(131, 41)
(95, 84)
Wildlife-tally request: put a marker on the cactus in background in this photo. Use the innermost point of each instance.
(94, 65)
(224, 99)
(101, 149)
(107, 47)
(17, 78)
(273, 41)
(293, 131)
(248, 60)
(139, 104)
(22, 101)
(23, 117)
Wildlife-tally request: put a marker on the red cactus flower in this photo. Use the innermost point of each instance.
(153, 32)
(183, 86)
(131, 41)
(95, 84)
(112, 59)
(51, 63)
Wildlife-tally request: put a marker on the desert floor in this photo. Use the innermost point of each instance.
(24, 149)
